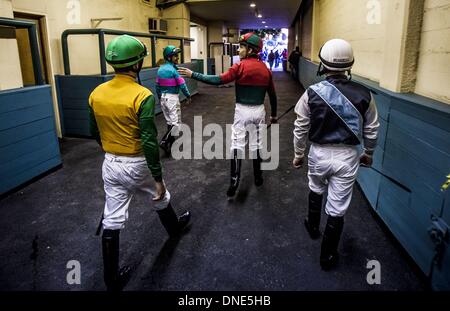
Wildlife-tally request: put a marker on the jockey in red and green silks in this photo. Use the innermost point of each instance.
(253, 80)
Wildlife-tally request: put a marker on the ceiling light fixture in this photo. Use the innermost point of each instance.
(263, 22)
(259, 16)
(266, 26)
(252, 5)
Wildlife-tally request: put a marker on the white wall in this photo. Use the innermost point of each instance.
(199, 47)
(11, 75)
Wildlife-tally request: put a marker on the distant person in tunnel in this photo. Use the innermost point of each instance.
(122, 120)
(271, 59)
(168, 85)
(294, 59)
(338, 115)
(253, 81)
(277, 59)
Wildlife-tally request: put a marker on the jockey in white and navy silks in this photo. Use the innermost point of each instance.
(339, 116)
(168, 86)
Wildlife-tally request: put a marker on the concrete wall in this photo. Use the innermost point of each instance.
(62, 15)
(433, 74)
(134, 14)
(401, 44)
(11, 76)
(74, 14)
(305, 31)
(178, 24)
(215, 32)
(349, 20)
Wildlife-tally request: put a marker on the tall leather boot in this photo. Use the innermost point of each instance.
(115, 279)
(173, 224)
(235, 174)
(312, 222)
(332, 235)
(257, 172)
(165, 143)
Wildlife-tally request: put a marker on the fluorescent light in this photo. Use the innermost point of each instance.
(266, 26)
(252, 5)
(259, 15)
(263, 22)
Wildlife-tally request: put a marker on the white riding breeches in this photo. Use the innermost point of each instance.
(122, 177)
(248, 119)
(333, 168)
(170, 106)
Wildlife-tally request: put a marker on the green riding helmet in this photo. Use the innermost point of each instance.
(125, 51)
(252, 40)
(170, 51)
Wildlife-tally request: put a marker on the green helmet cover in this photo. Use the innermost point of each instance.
(125, 51)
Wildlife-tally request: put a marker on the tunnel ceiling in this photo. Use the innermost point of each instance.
(238, 13)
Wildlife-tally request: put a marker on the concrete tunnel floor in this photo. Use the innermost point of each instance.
(256, 241)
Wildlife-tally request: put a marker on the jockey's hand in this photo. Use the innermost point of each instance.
(185, 72)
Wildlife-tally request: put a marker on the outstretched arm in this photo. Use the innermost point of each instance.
(224, 78)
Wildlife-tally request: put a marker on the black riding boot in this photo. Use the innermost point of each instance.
(257, 172)
(235, 174)
(173, 224)
(115, 279)
(329, 255)
(312, 222)
(166, 141)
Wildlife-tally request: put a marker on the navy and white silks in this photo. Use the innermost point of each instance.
(337, 115)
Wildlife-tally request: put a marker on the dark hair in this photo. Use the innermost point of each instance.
(124, 70)
(129, 68)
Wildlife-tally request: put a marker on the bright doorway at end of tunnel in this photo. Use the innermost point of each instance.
(275, 48)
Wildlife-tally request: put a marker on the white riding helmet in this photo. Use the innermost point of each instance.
(337, 55)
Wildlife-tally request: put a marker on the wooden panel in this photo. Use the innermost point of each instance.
(74, 92)
(424, 109)
(28, 141)
(424, 161)
(307, 73)
(14, 100)
(25, 146)
(16, 134)
(27, 115)
(369, 181)
(383, 103)
(26, 161)
(407, 226)
(18, 179)
(429, 132)
(400, 165)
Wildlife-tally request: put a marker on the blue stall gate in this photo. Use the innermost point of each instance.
(411, 163)
(28, 140)
(74, 90)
